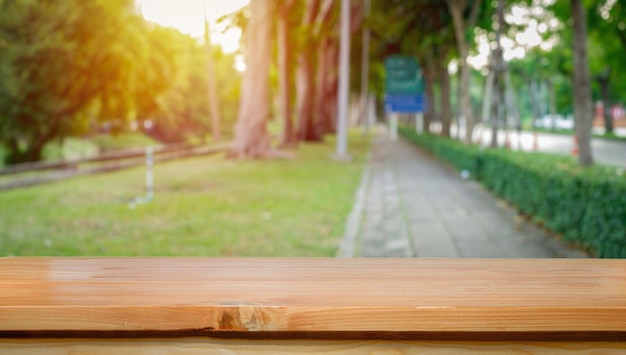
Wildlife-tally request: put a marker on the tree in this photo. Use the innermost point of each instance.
(325, 32)
(308, 30)
(444, 82)
(498, 68)
(583, 110)
(288, 138)
(546, 67)
(65, 63)
(607, 41)
(181, 112)
(251, 137)
(318, 60)
(430, 74)
(604, 80)
(461, 27)
(305, 82)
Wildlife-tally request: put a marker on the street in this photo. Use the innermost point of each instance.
(605, 151)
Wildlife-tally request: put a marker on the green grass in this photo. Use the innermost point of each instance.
(203, 207)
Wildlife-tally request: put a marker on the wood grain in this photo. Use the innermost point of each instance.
(312, 295)
(193, 346)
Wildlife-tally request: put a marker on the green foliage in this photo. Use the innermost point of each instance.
(203, 207)
(586, 205)
(65, 62)
(541, 66)
(68, 67)
(607, 45)
(409, 27)
(606, 40)
(181, 111)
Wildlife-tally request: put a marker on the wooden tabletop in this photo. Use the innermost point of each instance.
(312, 295)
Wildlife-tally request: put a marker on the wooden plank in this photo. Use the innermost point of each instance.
(312, 295)
(190, 346)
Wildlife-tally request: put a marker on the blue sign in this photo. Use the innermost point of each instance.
(404, 103)
(403, 76)
(404, 85)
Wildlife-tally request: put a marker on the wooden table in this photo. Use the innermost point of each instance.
(294, 305)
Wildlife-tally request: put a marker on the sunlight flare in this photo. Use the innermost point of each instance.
(187, 16)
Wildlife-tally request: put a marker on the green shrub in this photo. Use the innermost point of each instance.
(461, 156)
(586, 205)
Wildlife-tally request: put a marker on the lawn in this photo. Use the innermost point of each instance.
(203, 207)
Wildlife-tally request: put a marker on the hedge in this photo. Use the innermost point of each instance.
(586, 205)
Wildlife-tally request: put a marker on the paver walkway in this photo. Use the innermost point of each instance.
(411, 205)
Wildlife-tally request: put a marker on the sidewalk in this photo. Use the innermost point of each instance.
(411, 205)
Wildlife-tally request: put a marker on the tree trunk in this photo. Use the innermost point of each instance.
(534, 106)
(457, 7)
(32, 153)
(499, 101)
(323, 67)
(305, 101)
(14, 151)
(322, 27)
(331, 87)
(307, 130)
(497, 107)
(288, 138)
(583, 110)
(459, 111)
(446, 106)
(36, 142)
(430, 76)
(604, 81)
(251, 137)
(551, 107)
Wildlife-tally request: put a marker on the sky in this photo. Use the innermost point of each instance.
(187, 16)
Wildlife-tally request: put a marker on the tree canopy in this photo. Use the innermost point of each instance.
(70, 66)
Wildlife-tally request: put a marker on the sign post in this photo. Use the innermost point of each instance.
(149, 174)
(404, 90)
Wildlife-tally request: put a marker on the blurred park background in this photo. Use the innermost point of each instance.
(87, 83)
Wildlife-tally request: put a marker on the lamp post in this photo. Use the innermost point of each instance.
(344, 82)
(365, 97)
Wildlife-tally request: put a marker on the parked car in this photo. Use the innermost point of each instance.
(556, 121)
